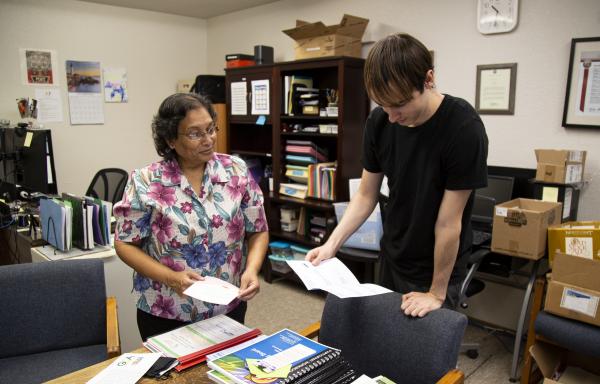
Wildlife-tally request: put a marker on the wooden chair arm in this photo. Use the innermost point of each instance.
(312, 330)
(454, 376)
(113, 340)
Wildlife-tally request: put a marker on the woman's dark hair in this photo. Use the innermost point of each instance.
(395, 67)
(170, 113)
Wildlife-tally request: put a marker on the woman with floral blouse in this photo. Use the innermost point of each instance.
(188, 216)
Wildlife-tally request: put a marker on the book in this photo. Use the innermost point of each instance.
(295, 190)
(275, 359)
(238, 56)
(191, 343)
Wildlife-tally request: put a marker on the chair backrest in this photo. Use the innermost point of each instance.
(108, 184)
(378, 339)
(52, 305)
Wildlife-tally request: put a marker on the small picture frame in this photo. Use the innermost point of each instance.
(581, 110)
(495, 89)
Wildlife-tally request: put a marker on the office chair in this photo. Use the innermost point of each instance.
(377, 338)
(55, 319)
(108, 184)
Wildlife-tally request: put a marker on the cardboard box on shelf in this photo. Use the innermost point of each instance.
(560, 165)
(318, 40)
(580, 238)
(574, 289)
(520, 227)
(575, 368)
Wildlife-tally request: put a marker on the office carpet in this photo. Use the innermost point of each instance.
(287, 304)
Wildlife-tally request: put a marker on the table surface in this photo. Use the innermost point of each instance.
(196, 375)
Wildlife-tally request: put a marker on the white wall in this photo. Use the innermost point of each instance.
(540, 45)
(156, 49)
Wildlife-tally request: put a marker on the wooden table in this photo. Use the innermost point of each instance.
(196, 375)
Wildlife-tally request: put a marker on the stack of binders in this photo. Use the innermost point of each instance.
(75, 221)
(299, 155)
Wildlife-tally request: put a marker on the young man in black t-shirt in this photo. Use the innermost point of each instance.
(433, 149)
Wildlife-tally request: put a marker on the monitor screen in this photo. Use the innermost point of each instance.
(498, 190)
(27, 160)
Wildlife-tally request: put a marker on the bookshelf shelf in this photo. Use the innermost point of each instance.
(308, 117)
(310, 203)
(309, 134)
(251, 153)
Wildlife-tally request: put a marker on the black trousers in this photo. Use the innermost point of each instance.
(150, 325)
(390, 280)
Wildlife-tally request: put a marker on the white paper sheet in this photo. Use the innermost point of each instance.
(86, 108)
(239, 105)
(334, 277)
(50, 108)
(213, 290)
(260, 97)
(126, 369)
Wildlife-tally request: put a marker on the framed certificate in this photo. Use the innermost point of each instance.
(582, 104)
(495, 90)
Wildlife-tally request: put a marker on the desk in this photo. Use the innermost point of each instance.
(196, 375)
(118, 277)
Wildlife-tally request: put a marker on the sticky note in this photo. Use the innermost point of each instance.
(28, 138)
(261, 120)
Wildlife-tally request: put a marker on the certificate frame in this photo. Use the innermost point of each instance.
(579, 110)
(495, 89)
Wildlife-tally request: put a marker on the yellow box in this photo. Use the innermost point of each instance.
(318, 40)
(579, 238)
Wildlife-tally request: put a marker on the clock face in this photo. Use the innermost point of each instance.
(497, 16)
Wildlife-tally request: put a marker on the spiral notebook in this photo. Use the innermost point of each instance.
(284, 358)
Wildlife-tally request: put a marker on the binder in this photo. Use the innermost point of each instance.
(53, 217)
(78, 221)
(209, 336)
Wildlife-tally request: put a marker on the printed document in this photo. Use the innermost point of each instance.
(213, 290)
(334, 277)
(126, 369)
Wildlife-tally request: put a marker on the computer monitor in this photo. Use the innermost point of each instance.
(27, 160)
(498, 190)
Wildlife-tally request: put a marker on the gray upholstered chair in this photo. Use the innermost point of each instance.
(55, 319)
(378, 339)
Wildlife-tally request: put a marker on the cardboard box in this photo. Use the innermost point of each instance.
(574, 290)
(579, 238)
(318, 40)
(578, 368)
(520, 227)
(560, 166)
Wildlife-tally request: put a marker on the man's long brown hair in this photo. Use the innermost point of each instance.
(396, 66)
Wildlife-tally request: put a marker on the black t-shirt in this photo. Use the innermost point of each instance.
(448, 152)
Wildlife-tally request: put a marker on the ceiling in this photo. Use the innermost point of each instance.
(202, 9)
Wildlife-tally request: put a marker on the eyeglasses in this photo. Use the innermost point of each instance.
(199, 135)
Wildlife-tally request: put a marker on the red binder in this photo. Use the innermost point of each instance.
(200, 356)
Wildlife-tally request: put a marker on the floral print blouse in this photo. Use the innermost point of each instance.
(162, 214)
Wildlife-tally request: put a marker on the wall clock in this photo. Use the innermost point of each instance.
(497, 16)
